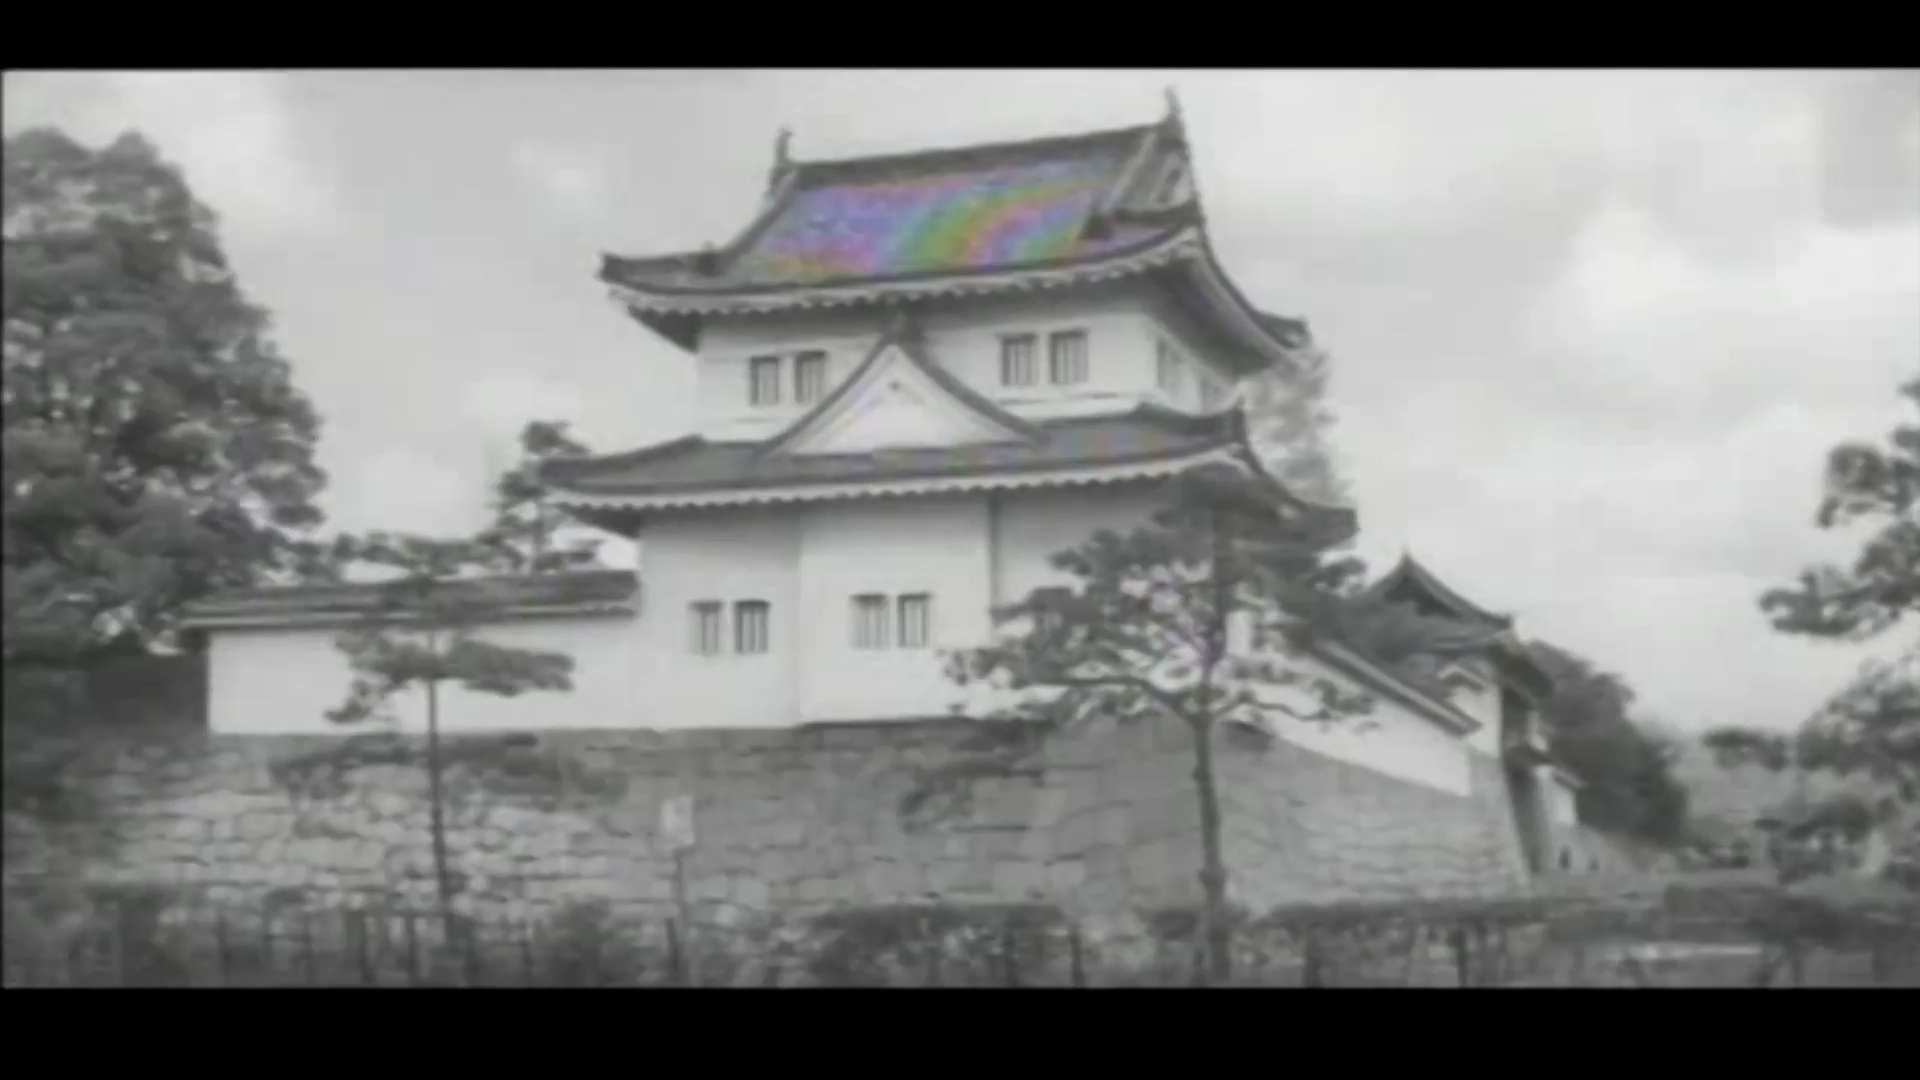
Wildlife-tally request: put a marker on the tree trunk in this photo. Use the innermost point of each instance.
(436, 809)
(539, 538)
(1215, 938)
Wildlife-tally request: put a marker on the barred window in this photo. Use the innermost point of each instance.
(704, 627)
(1016, 361)
(809, 377)
(870, 621)
(916, 621)
(750, 626)
(1067, 357)
(1167, 362)
(763, 381)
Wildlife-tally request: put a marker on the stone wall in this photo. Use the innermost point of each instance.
(795, 819)
(1302, 828)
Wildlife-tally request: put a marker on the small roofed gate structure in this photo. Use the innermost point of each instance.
(1487, 639)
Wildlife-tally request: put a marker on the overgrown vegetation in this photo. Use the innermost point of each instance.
(1718, 935)
(1630, 785)
(1871, 728)
(155, 446)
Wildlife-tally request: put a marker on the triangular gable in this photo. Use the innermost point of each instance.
(896, 398)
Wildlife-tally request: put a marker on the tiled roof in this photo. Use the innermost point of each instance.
(695, 464)
(971, 209)
(1480, 630)
(1410, 579)
(583, 589)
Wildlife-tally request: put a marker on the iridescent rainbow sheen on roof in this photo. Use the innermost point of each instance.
(974, 219)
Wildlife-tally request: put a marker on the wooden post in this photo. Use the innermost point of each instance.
(266, 947)
(1076, 960)
(363, 959)
(676, 830)
(413, 950)
(1009, 952)
(683, 913)
(118, 937)
(307, 959)
(526, 954)
(222, 951)
(1312, 962)
(1462, 958)
(676, 957)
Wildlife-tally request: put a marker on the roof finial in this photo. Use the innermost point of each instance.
(781, 160)
(706, 261)
(1173, 108)
(905, 325)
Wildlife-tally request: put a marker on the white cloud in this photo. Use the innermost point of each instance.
(569, 179)
(406, 489)
(232, 133)
(502, 402)
(1640, 322)
(498, 405)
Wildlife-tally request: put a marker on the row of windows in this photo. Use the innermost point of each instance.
(1067, 364)
(879, 622)
(752, 626)
(912, 630)
(1066, 359)
(766, 378)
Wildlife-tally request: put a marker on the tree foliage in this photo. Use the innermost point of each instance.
(1871, 728)
(1867, 485)
(1189, 617)
(1630, 786)
(1291, 426)
(155, 447)
(423, 630)
(526, 531)
(423, 634)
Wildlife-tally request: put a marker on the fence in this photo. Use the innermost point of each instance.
(1670, 940)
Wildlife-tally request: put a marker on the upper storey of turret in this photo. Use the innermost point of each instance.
(1059, 214)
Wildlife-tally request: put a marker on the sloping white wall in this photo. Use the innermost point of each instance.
(1392, 739)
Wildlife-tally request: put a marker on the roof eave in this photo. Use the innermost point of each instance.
(1152, 252)
(1271, 344)
(1154, 467)
(1440, 713)
(324, 620)
(1410, 571)
(592, 591)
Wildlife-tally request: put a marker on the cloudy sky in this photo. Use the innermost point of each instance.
(1594, 330)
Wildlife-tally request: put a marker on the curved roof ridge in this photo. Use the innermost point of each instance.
(961, 151)
(1410, 571)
